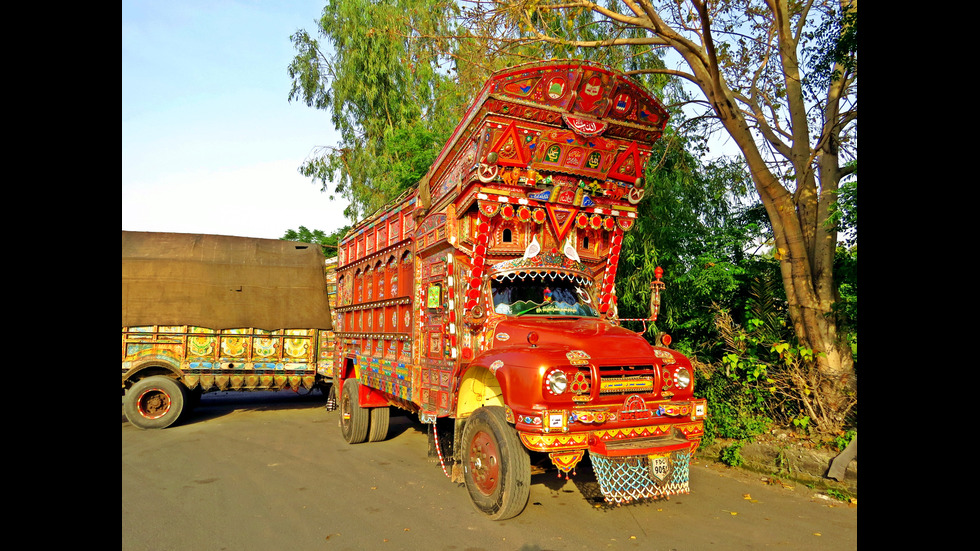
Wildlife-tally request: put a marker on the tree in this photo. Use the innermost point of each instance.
(393, 94)
(694, 222)
(329, 242)
(792, 116)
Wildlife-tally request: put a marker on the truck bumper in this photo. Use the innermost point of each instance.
(648, 462)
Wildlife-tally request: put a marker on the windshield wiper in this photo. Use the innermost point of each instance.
(535, 307)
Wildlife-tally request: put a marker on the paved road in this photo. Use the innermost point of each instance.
(269, 471)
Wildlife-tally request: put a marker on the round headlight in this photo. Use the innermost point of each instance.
(556, 381)
(682, 378)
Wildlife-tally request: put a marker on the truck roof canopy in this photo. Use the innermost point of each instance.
(222, 282)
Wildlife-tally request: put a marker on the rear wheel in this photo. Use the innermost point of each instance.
(353, 418)
(155, 402)
(379, 424)
(497, 468)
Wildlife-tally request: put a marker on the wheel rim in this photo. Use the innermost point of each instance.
(345, 412)
(484, 460)
(153, 403)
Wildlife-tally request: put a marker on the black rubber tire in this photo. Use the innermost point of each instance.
(155, 402)
(353, 418)
(379, 424)
(496, 467)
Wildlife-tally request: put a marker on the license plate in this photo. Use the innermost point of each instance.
(659, 466)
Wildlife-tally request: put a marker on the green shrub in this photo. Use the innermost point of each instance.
(732, 455)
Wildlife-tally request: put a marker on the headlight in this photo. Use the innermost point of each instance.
(556, 382)
(682, 378)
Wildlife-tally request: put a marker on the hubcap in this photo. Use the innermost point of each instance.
(484, 462)
(153, 404)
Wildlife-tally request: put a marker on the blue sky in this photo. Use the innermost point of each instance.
(210, 143)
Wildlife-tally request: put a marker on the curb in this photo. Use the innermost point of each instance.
(787, 460)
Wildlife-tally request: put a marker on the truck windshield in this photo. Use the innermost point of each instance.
(537, 297)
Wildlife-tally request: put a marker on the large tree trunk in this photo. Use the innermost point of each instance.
(804, 245)
(805, 249)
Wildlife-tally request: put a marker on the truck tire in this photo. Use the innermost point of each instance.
(496, 467)
(353, 418)
(379, 424)
(155, 402)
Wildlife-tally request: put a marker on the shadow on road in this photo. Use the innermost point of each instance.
(213, 405)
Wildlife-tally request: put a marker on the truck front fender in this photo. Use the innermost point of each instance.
(478, 387)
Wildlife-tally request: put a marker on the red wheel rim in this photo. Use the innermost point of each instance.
(484, 462)
(153, 403)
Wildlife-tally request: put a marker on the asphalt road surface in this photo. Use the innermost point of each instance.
(270, 470)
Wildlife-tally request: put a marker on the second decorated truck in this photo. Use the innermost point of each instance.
(483, 301)
(207, 313)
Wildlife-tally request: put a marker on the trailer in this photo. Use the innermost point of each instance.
(203, 313)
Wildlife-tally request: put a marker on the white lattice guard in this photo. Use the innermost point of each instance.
(628, 478)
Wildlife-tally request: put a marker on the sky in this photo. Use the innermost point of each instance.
(210, 142)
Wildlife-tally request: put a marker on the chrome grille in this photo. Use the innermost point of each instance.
(626, 379)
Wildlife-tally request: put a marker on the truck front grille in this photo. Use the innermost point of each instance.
(626, 379)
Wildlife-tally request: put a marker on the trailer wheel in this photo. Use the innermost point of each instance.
(353, 418)
(497, 468)
(155, 402)
(379, 424)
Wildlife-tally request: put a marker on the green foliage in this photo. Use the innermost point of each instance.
(833, 46)
(694, 223)
(843, 218)
(843, 211)
(839, 495)
(731, 455)
(734, 407)
(641, 61)
(846, 306)
(328, 242)
(802, 423)
(843, 439)
(389, 93)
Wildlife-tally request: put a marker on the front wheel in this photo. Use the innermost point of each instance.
(155, 402)
(497, 468)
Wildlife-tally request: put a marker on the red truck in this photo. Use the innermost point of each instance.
(483, 301)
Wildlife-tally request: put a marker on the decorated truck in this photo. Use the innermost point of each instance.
(205, 313)
(483, 301)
